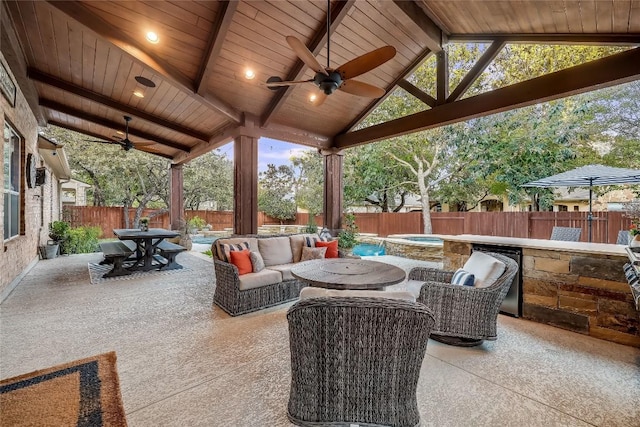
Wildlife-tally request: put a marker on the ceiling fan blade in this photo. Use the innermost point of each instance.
(143, 143)
(366, 62)
(102, 141)
(305, 55)
(355, 87)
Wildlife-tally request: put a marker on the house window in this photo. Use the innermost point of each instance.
(563, 208)
(11, 189)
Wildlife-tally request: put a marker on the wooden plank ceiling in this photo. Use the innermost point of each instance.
(81, 59)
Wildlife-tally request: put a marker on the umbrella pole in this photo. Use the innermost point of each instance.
(590, 216)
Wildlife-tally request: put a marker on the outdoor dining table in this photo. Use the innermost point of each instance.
(146, 245)
(347, 273)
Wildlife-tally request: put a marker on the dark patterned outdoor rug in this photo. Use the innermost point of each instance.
(83, 393)
(97, 272)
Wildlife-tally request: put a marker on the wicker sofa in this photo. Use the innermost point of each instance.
(239, 294)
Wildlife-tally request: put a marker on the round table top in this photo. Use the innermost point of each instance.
(348, 273)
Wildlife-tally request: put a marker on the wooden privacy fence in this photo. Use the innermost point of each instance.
(535, 225)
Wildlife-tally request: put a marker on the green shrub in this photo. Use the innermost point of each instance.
(59, 233)
(311, 226)
(347, 236)
(197, 222)
(208, 253)
(83, 240)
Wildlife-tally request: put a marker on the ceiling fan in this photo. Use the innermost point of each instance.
(328, 79)
(125, 142)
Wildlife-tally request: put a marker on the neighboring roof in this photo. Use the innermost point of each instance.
(591, 175)
(81, 58)
(74, 183)
(55, 157)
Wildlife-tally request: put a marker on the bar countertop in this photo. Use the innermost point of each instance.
(549, 245)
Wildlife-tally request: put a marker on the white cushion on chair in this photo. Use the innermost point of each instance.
(313, 292)
(485, 268)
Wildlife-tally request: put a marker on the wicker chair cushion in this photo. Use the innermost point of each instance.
(312, 292)
(463, 277)
(284, 269)
(485, 268)
(275, 251)
(414, 286)
(256, 280)
(298, 241)
(312, 253)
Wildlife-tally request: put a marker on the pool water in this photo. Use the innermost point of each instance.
(368, 249)
(204, 240)
(423, 239)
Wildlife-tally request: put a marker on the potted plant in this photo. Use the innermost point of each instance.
(144, 223)
(347, 238)
(59, 234)
(195, 224)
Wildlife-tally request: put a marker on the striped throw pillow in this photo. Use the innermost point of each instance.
(310, 242)
(226, 248)
(462, 277)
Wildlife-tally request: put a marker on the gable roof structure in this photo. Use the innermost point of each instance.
(77, 62)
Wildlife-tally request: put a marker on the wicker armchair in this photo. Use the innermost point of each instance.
(356, 360)
(465, 315)
(568, 234)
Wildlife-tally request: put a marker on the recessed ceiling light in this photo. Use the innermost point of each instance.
(249, 74)
(119, 132)
(152, 37)
(138, 93)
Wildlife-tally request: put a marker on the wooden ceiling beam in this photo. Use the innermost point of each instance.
(136, 51)
(225, 135)
(442, 77)
(338, 11)
(47, 79)
(411, 68)
(615, 69)
(473, 74)
(214, 44)
(94, 135)
(628, 39)
(56, 106)
(417, 92)
(417, 15)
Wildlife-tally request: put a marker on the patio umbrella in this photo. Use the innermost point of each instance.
(588, 176)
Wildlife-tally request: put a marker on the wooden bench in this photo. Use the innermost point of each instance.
(115, 253)
(169, 251)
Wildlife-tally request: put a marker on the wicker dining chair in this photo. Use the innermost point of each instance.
(465, 315)
(624, 237)
(356, 360)
(567, 234)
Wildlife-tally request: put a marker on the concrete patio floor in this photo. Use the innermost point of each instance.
(184, 362)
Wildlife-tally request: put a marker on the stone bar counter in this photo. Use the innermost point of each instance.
(572, 285)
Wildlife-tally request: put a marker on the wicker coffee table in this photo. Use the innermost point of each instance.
(341, 273)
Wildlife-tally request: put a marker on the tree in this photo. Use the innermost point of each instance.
(276, 192)
(308, 179)
(209, 178)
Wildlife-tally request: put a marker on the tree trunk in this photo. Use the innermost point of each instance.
(426, 212)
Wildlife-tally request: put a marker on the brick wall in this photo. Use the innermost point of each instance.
(40, 203)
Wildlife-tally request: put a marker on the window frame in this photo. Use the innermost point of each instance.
(16, 140)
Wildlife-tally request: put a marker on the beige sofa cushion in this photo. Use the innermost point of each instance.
(275, 251)
(297, 242)
(313, 292)
(253, 244)
(284, 269)
(256, 280)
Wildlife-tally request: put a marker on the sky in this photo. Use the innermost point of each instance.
(270, 151)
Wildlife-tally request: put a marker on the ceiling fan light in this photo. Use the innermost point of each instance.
(313, 97)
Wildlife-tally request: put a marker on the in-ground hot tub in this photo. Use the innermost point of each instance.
(415, 246)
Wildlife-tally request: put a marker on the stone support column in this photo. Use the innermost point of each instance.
(245, 185)
(333, 189)
(176, 197)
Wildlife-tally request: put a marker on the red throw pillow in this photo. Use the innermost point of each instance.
(242, 260)
(332, 248)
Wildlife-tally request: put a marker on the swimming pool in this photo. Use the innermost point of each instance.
(423, 239)
(204, 240)
(368, 249)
